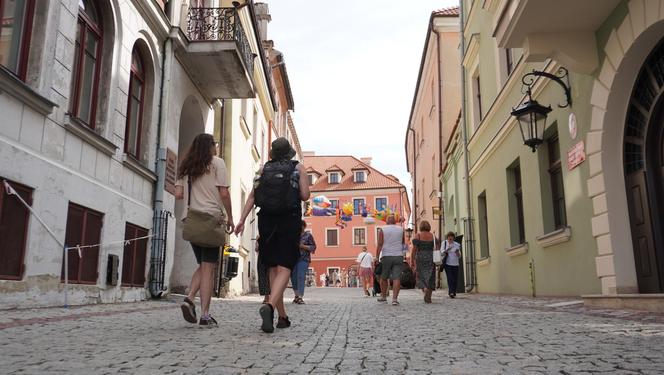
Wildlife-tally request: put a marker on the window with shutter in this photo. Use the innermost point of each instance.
(83, 228)
(13, 231)
(134, 256)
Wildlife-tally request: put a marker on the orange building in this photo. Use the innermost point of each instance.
(348, 180)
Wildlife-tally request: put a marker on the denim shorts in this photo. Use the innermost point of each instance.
(205, 254)
(391, 267)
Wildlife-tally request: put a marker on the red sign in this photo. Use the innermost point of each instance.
(576, 155)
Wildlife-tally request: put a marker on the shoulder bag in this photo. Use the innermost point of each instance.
(202, 228)
(437, 255)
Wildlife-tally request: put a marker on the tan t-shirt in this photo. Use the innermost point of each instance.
(204, 190)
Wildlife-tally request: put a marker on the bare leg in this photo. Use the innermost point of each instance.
(195, 284)
(207, 273)
(266, 299)
(396, 286)
(383, 288)
(278, 282)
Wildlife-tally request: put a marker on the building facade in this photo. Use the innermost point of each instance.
(99, 98)
(434, 113)
(582, 214)
(348, 180)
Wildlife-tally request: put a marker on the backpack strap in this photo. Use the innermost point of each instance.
(189, 191)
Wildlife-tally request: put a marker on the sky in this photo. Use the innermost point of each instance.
(353, 68)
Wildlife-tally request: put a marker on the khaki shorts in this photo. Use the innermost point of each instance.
(391, 267)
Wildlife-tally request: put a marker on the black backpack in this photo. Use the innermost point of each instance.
(278, 189)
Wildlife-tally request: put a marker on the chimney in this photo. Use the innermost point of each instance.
(263, 17)
(308, 153)
(366, 160)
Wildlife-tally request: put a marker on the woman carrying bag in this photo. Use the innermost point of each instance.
(203, 182)
(422, 259)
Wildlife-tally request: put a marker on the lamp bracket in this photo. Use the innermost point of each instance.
(561, 77)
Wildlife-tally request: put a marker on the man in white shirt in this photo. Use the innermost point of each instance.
(366, 269)
(451, 254)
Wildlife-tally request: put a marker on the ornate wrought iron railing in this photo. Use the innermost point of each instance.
(220, 24)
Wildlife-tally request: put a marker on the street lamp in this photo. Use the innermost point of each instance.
(531, 115)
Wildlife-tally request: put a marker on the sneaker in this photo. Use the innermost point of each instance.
(188, 311)
(283, 322)
(207, 321)
(300, 301)
(267, 315)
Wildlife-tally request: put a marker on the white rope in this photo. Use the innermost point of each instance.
(125, 242)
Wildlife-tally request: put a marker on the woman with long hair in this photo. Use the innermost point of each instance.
(203, 182)
(422, 260)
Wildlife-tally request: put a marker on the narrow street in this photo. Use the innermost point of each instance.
(338, 330)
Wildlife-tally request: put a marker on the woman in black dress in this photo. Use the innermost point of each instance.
(423, 248)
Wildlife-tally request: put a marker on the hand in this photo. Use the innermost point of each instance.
(239, 228)
(230, 227)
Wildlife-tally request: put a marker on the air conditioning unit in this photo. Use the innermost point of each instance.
(112, 269)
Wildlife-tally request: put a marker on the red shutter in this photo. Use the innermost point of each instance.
(83, 228)
(90, 259)
(128, 255)
(140, 257)
(73, 237)
(134, 256)
(14, 219)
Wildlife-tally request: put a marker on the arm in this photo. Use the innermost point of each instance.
(248, 206)
(413, 250)
(179, 192)
(226, 200)
(379, 247)
(304, 183)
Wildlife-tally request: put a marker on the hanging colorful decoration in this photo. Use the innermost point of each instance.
(339, 222)
(321, 206)
(369, 220)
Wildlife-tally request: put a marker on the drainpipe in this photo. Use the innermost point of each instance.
(470, 243)
(440, 133)
(410, 128)
(160, 163)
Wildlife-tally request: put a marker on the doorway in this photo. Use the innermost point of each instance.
(644, 172)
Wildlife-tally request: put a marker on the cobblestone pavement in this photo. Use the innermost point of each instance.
(340, 331)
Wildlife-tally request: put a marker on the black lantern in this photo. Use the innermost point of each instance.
(532, 115)
(532, 121)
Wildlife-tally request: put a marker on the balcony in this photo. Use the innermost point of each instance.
(216, 53)
(561, 29)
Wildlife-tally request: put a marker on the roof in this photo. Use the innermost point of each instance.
(346, 163)
(361, 167)
(447, 12)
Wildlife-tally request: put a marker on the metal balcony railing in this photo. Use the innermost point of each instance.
(220, 24)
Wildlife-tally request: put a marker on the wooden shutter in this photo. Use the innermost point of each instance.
(134, 257)
(14, 218)
(73, 237)
(83, 228)
(140, 257)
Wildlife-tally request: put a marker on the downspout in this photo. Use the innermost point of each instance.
(414, 213)
(440, 133)
(470, 243)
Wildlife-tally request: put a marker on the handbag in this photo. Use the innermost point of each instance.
(444, 262)
(437, 255)
(202, 228)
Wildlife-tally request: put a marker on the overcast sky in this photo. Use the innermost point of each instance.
(353, 67)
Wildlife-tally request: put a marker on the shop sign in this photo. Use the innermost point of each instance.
(171, 168)
(576, 155)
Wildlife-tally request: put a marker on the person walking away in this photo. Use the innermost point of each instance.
(451, 255)
(390, 248)
(365, 261)
(278, 191)
(421, 259)
(202, 178)
(299, 275)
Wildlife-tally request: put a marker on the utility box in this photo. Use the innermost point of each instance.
(112, 269)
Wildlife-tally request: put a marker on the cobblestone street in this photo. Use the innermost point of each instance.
(338, 330)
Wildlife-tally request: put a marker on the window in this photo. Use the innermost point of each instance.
(515, 201)
(557, 187)
(135, 104)
(87, 61)
(15, 32)
(334, 203)
(381, 204)
(134, 257)
(358, 204)
(335, 177)
(359, 236)
(360, 176)
(14, 219)
(509, 61)
(477, 100)
(311, 178)
(83, 228)
(254, 127)
(331, 237)
(483, 221)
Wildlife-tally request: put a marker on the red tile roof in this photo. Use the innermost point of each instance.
(447, 12)
(346, 163)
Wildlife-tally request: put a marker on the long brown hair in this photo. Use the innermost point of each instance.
(198, 158)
